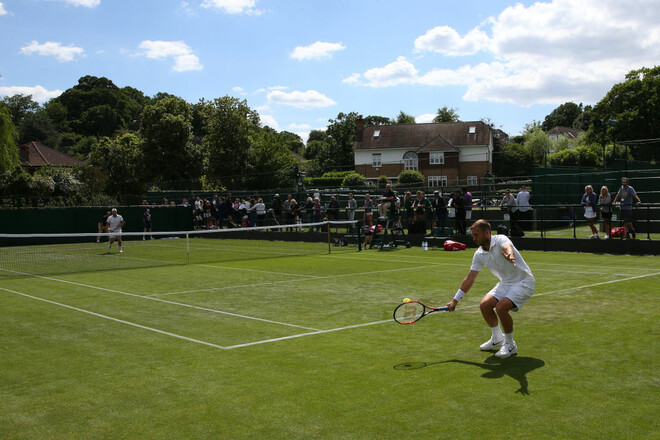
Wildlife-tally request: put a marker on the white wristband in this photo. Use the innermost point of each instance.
(459, 295)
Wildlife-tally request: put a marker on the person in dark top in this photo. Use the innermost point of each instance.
(458, 203)
(386, 201)
(146, 219)
(333, 211)
(102, 225)
(439, 206)
(276, 206)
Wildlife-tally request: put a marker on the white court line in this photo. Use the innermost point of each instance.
(213, 289)
(389, 320)
(121, 321)
(165, 301)
(260, 271)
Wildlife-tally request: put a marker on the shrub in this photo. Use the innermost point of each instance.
(382, 181)
(354, 179)
(410, 177)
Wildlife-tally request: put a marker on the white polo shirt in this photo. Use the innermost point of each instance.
(114, 223)
(500, 266)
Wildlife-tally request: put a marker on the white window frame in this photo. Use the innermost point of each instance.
(437, 158)
(376, 160)
(437, 181)
(472, 180)
(410, 161)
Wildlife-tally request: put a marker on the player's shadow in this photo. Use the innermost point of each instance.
(515, 367)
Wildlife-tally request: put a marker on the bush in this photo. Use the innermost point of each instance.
(354, 179)
(321, 182)
(382, 181)
(410, 177)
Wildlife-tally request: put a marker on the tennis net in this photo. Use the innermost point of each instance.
(48, 254)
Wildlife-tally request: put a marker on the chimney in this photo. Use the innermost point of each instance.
(359, 128)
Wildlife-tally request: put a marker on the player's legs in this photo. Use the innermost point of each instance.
(502, 309)
(488, 305)
(119, 242)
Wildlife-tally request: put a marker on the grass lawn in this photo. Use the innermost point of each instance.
(305, 348)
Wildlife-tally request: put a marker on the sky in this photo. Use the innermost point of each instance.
(300, 63)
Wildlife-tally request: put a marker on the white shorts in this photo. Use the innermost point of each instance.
(116, 233)
(518, 293)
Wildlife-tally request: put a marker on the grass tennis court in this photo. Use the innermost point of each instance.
(305, 347)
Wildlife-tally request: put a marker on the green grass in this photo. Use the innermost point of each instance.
(587, 365)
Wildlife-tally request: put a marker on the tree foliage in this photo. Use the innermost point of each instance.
(410, 177)
(446, 114)
(19, 107)
(404, 118)
(119, 158)
(8, 151)
(563, 116)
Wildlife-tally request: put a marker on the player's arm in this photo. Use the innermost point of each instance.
(466, 285)
(507, 252)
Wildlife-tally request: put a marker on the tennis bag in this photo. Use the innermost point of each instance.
(618, 232)
(451, 245)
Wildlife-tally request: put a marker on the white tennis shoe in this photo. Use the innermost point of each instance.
(507, 350)
(491, 344)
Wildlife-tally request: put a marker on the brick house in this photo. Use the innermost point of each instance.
(35, 155)
(558, 132)
(447, 154)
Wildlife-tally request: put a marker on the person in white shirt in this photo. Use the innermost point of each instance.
(516, 286)
(115, 222)
(523, 206)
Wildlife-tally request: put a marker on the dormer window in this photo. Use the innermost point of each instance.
(472, 129)
(376, 133)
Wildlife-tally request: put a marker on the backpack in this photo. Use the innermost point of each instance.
(502, 230)
(618, 232)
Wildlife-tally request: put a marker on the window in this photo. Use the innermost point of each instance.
(437, 181)
(472, 180)
(376, 133)
(437, 158)
(376, 160)
(410, 161)
(472, 129)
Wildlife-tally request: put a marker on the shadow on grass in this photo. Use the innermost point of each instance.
(515, 367)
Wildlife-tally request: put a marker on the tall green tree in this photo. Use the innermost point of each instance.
(404, 118)
(269, 161)
(228, 122)
(377, 120)
(8, 150)
(446, 114)
(563, 116)
(38, 127)
(20, 106)
(168, 152)
(635, 105)
(119, 159)
(538, 145)
(341, 135)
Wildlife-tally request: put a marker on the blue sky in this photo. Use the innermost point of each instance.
(301, 62)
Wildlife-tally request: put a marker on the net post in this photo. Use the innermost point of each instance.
(329, 237)
(359, 235)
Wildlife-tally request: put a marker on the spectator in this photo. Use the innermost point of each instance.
(276, 206)
(166, 203)
(260, 209)
(308, 209)
(208, 218)
(589, 204)
(440, 210)
(252, 213)
(184, 203)
(408, 203)
(524, 208)
(317, 213)
(605, 204)
(368, 210)
(333, 212)
(288, 215)
(421, 206)
(458, 203)
(295, 211)
(198, 203)
(144, 203)
(467, 195)
(351, 206)
(146, 220)
(625, 195)
(243, 208)
(510, 207)
(103, 225)
(386, 202)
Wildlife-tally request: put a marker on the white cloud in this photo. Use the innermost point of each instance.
(3, 11)
(294, 126)
(239, 90)
(184, 59)
(316, 51)
(39, 93)
(268, 120)
(307, 99)
(426, 117)
(53, 49)
(84, 3)
(400, 71)
(549, 52)
(233, 6)
(446, 40)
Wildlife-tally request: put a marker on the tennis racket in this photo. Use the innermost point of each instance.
(412, 311)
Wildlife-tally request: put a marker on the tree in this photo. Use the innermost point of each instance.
(19, 107)
(563, 116)
(377, 120)
(635, 105)
(341, 135)
(538, 144)
(513, 160)
(38, 127)
(8, 150)
(410, 177)
(119, 158)
(269, 161)
(168, 152)
(446, 114)
(229, 123)
(404, 118)
(293, 142)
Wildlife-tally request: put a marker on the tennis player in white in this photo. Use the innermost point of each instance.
(516, 286)
(115, 223)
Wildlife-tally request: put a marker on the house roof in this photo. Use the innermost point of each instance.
(35, 154)
(445, 136)
(568, 132)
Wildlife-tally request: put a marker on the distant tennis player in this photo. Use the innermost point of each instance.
(115, 223)
(516, 286)
(102, 225)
